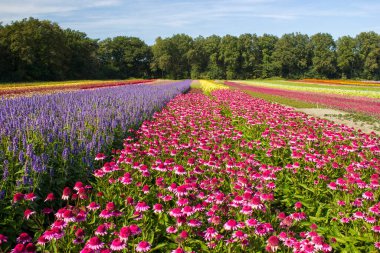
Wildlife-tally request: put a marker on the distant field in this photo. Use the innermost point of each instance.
(13, 89)
(356, 91)
(352, 99)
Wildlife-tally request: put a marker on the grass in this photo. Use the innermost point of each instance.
(283, 100)
(195, 84)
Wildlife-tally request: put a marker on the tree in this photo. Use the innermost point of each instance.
(81, 55)
(37, 48)
(124, 57)
(292, 55)
(250, 55)
(266, 45)
(368, 44)
(230, 56)
(324, 55)
(171, 56)
(347, 56)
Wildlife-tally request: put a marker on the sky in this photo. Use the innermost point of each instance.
(148, 19)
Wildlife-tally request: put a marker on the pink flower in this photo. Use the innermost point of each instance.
(124, 233)
(117, 245)
(24, 238)
(50, 197)
(3, 239)
(66, 193)
(100, 156)
(95, 243)
(368, 195)
(141, 207)
(376, 229)
(210, 233)
(28, 213)
(157, 208)
(19, 248)
(135, 230)
(230, 225)
(239, 235)
(93, 206)
(17, 197)
(171, 230)
(30, 196)
(143, 246)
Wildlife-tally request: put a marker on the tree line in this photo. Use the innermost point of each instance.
(32, 49)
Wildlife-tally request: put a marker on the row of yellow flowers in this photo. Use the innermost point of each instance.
(209, 86)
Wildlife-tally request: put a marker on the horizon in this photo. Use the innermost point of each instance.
(149, 19)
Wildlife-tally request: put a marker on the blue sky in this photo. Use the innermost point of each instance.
(148, 19)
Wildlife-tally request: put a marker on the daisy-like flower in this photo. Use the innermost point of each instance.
(194, 223)
(17, 197)
(124, 233)
(3, 239)
(101, 230)
(157, 208)
(50, 197)
(19, 248)
(377, 245)
(210, 233)
(61, 224)
(240, 235)
(370, 219)
(376, 229)
(141, 207)
(368, 195)
(117, 245)
(93, 206)
(273, 243)
(176, 212)
(30, 196)
(143, 246)
(100, 156)
(135, 230)
(41, 241)
(230, 225)
(179, 170)
(95, 243)
(24, 238)
(28, 213)
(54, 233)
(106, 214)
(178, 250)
(68, 216)
(188, 210)
(171, 230)
(66, 193)
(251, 222)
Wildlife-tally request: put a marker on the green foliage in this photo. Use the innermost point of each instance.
(31, 50)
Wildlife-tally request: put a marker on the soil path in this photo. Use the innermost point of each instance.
(331, 114)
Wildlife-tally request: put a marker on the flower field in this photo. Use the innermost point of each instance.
(49, 87)
(340, 82)
(49, 141)
(213, 172)
(321, 89)
(346, 103)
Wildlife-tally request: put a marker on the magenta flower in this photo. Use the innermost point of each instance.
(95, 243)
(230, 225)
(118, 245)
(141, 207)
(143, 246)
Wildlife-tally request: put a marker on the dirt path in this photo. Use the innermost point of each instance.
(332, 114)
